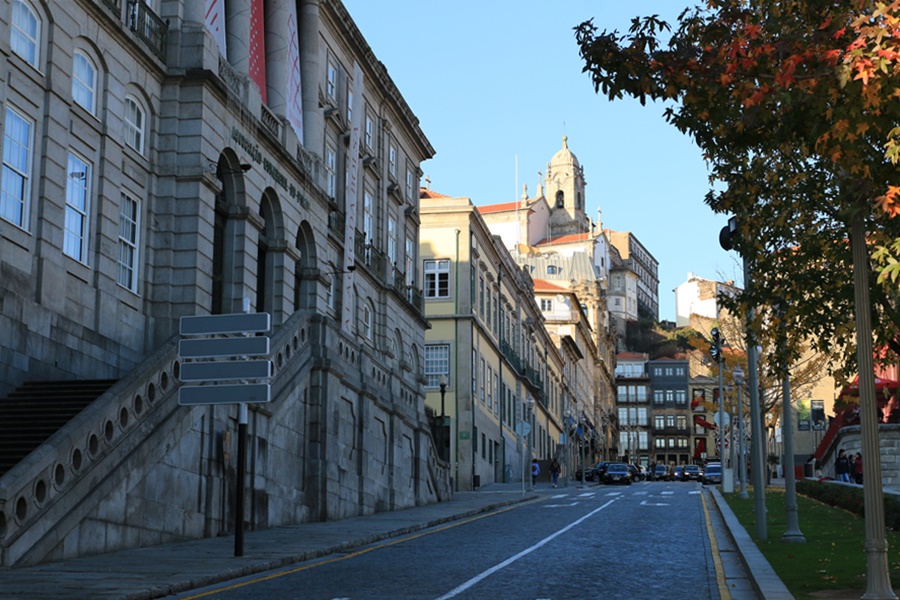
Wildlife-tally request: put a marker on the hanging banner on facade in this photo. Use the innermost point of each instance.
(215, 22)
(352, 194)
(293, 93)
(258, 47)
(803, 410)
(817, 414)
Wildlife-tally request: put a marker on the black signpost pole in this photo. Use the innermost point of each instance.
(240, 483)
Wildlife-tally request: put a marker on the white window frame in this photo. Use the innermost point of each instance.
(129, 242)
(368, 217)
(77, 227)
(25, 33)
(84, 81)
(330, 170)
(135, 124)
(409, 184)
(331, 80)
(350, 104)
(369, 132)
(437, 363)
(437, 271)
(368, 330)
(392, 241)
(392, 159)
(18, 152)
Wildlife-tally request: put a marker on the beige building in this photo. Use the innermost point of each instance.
(488, 342)
(158, 165)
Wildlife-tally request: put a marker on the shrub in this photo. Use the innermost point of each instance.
(849, 498)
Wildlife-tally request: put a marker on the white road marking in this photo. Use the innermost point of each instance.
(694, 492)
(587, 495)
(613, 494)
(667, 493)
(645, 503)
(640, 493)
(560, 505)
(559, 496)
(484, 574)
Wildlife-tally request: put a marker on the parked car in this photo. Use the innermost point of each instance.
(636, 473)
(617, 473)
(598, 471)
(662, 473)
(692, 473)
(712, 473)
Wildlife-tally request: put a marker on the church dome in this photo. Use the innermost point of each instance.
(564, 157)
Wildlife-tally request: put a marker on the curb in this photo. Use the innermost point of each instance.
(763, 577)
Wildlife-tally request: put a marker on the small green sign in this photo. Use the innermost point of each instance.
(464, 435)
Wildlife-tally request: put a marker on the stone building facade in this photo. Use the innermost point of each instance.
(157, 165)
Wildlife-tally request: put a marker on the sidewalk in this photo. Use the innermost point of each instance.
(158, 571)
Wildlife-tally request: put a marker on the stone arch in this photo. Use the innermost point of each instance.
(228, 245)
(305, 271)
(270, 248)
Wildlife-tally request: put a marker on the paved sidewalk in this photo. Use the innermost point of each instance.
(159, 571)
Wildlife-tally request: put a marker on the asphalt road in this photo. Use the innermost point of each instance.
(648, 540)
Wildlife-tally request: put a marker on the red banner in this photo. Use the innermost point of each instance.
(258, 47)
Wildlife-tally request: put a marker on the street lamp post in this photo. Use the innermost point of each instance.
(581, 441)
(742, 461)
(757, 460)
(792, 526)
(442, 441)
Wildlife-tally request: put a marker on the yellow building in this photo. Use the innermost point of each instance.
(492, 370)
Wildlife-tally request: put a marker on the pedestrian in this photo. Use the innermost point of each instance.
(842, 466)
(858, 469)
(555, 469)
(535, 471)
(653, 471)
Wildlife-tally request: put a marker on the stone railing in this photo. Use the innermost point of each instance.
(55, 487)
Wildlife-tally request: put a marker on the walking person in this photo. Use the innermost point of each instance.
(842, 467)
(555, 470)
(858, 469)
(535, 471)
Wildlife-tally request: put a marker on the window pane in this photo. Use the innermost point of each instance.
(14, 198)
(134, 125)
(76, 225)
(25, 34)
(83, 82)
(128, 238)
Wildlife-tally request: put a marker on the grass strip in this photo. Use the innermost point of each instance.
(832, 561)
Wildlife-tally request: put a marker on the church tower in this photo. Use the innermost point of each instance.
(564, 185)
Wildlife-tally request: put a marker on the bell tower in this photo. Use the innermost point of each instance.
(564, 185)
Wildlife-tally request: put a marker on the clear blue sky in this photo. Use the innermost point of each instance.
(496, 83)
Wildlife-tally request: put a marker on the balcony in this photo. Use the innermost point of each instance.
(510, 355)
(148, 27)
(336, 221)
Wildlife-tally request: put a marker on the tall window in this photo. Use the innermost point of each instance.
(437, 363)
(25, 33)
(392, 241)
(331, 170)
(409, 184)
(659, 422)
(134, 124)
(350, 104)
(370, 132)
(392, 160)
(77, 204)
(331, 81)
(15, 198)
(437, 278)
(367, 321)
(368, 218)
(411, 261)
(129, 228)
(84, 82)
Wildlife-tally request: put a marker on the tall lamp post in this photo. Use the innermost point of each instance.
(742, 461)
(581, 442)
(443, 442)
(757, 461)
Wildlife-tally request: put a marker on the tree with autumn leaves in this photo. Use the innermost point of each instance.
(795, 105)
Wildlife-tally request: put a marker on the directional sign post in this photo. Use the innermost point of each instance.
(208, 361)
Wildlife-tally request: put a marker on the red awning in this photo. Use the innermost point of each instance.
(699, 420)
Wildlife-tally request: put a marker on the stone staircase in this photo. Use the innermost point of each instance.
(37, 410)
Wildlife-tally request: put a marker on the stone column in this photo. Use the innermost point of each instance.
(311, 73)
(278, 38)
(237, 34)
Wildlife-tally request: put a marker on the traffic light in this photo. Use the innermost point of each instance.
(715, 350)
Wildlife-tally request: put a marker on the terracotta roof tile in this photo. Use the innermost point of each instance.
(566, 239)
(426, 193)
(542, 285)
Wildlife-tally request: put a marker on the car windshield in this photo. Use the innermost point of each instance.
(692, 468)
(617, 468)
(713, 468)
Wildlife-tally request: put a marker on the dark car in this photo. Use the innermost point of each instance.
(636, 474)
(662, 473)
(712, 473)
(617, 473)
(677, 473)
(691, 473)
(590, 472)
(598, 471)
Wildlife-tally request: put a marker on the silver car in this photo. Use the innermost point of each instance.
(712, 473)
